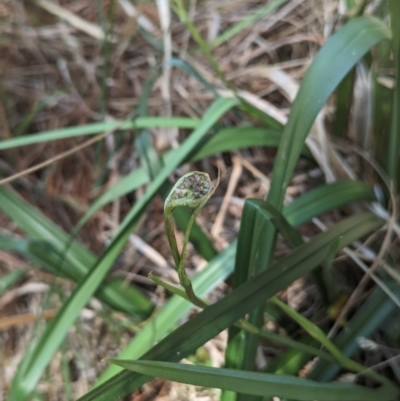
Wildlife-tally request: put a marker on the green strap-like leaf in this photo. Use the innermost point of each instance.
(257, 383)
(327, 197)
(329, 67)
(98, 128)
(256, 214)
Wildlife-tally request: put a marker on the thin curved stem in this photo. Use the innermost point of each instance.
(192, 190)
(181, 265)
(170, 231)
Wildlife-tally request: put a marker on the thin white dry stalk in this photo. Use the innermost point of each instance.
(89, 28)
(141, 19)
(233, 181)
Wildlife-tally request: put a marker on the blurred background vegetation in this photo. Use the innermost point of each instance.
(105, 104)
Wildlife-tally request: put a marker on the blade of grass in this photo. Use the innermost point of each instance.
(344, 91)
(257, 214)
(148, 156)
(114, 291)
(246, 22)
(37, 251)
(291, 361)
(260, 115)
(329, 67)
(327, 197)
(228, 139)
(206, 49)
(97, 128)
(107, 24)
(256, 383)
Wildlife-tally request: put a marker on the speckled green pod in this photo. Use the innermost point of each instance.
(190, 190)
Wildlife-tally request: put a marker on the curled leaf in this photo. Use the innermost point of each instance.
(190, 190)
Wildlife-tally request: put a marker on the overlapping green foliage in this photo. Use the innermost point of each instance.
(159, 345)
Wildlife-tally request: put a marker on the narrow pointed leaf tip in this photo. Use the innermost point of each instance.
(255, 383)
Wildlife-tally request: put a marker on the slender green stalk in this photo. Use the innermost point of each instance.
(191, 190)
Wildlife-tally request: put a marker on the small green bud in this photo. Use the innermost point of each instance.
(190, 190)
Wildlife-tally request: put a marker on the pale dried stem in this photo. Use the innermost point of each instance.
(89, 28)
(235, 176)
(19, 320)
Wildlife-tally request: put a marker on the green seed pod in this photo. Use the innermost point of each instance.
(190, 190)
